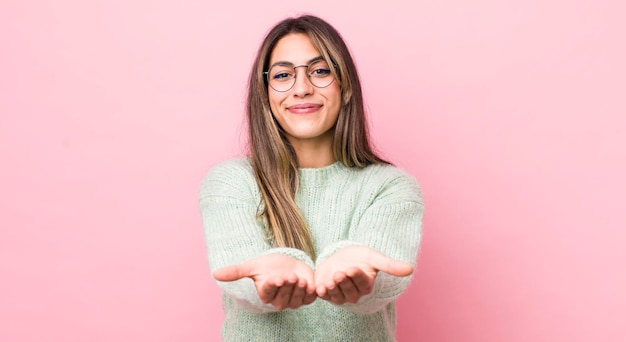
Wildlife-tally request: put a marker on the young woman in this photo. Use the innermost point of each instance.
(312, 237)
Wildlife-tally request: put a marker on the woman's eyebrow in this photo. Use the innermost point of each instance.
(285, 63)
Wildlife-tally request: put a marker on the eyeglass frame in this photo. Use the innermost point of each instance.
(295, 76)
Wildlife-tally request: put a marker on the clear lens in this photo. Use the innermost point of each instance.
(320, 75)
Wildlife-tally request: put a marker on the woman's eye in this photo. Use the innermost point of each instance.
(281, 76)
(319, 72)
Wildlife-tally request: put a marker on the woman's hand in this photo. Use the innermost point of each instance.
(349, 274)
(279, 279)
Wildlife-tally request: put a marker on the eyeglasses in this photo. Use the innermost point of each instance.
(282, 76)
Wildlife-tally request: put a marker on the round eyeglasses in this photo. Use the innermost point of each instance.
(282, 75)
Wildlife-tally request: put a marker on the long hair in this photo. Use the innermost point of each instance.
(273, 158)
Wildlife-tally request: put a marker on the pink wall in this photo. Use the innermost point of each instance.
(510, 114)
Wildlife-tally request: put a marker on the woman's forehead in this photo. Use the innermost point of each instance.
(294, 48)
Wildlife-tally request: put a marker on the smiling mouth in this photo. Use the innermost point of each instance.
(305, 108)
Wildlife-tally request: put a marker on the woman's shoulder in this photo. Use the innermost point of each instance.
(388, 173)
(390, 179)
(229, 175)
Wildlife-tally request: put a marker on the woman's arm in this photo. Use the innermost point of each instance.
(390, 231)
(235, 237)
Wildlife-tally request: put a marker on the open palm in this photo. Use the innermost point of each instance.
(279, 279)
(349, 273)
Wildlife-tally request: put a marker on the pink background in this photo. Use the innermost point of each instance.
(511, 115)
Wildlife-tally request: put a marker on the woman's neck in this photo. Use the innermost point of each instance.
(313, 154)
(314, 160)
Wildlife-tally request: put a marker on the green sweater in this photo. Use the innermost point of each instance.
(378, 206)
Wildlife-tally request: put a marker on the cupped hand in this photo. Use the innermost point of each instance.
(349, 273)
(279, 279)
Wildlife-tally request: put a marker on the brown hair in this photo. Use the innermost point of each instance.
(273, 158)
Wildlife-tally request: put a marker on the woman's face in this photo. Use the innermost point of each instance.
(306, 113)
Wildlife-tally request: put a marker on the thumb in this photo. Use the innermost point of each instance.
(390, 266)
(232, 273)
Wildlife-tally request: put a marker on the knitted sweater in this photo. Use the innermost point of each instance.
(378, 206)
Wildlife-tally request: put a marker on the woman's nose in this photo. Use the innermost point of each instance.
(303, 85)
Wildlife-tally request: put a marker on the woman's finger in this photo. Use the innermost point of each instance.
(348, 289)
(309, 298)
(391, 266)
(283, 295)
(267, 291)
(299, 292)
(361, 280)
(232, 273)
(334, 292)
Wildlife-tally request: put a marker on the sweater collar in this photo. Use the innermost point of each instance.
(313, 177)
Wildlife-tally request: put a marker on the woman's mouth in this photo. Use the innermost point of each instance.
(304, 108)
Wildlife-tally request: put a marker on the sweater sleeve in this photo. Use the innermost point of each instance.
(392, 225)
(233, 233)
